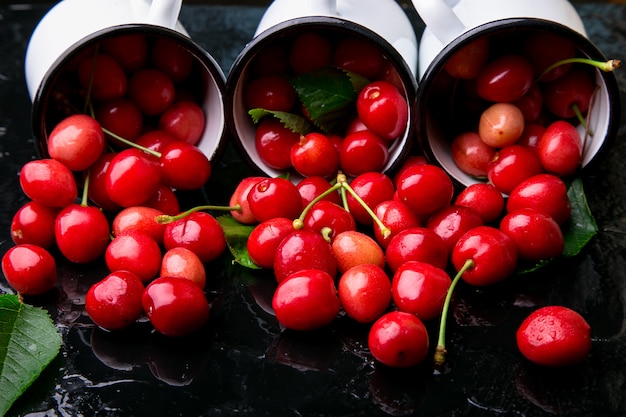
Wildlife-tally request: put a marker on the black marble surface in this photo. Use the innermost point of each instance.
(242, 364)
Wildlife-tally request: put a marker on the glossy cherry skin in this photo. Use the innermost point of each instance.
(365, 292)
(545, 193)
(554, 336)
(560, 149)
(164, 199)
(501, 124)
(417, 244)
(425, 189)
(471, 154)
(34, 223)
(306, 300)
(396, 216)
(97, 183)
(122, 117)
(81, 233)
(484, 199)
(172, 58)
(420, 288)
(77, 141)
(274, 197)
(152, 90)
(175, 306)
(29, 269)
(398, 339)
(450, 223)
(269, 92)
(373, 188)
(103, 76)
(531, 104)
(513, 165)
(155, 140)
(239, 197)
(48, 182)
(330, 216)
(315, 155)
(132, 177)
(273, 142)
(311, 187)
(199, 232)
(183, 263)
(352, 248)
(494, 255)
(362, 152)
(537, 236)
(383, 109)
(185, 120)
(141, 219)
(574, 88)
(136, 252)
(115, 302)
(505, 79)
(184, 166)
(303, 249)
(264, 239)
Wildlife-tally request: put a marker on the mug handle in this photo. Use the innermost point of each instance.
(164, 12)
(439, 19)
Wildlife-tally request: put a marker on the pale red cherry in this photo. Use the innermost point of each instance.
(353, 248)
(501, 125)
(184, 263)
(77, 141)
(143, 219)
(471, 154)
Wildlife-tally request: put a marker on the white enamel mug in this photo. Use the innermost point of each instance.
(452, 24)
(73, 27)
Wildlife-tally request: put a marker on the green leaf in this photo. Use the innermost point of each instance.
(328, 95)
(28, 343)
(236, 239)
(582, 226)
(293, 122)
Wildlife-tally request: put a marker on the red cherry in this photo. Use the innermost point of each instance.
(103, 77)
(81, 233)
(537, 236)
(97, 183)
(155, 140)
(264, 239)
(329, 218)
(199, 232)
(361, 152)
(493, 252)
(373, 188)
(383, 109)
(365, 292)
(545, 193)
(398, 339)
(184, 166)
(303, 249)
(269, 92)
(134, 251)
(115, 302)
(560, 149)
(544, 49)
(48, 182)
(273, 142)
(175, 306)
(396, 216)
(172, 58)
(310, 51)
(574, 88)
(29, 269)
(152, 90)
(505, 79)
(239, 197)
(121, 117)
(77, 141)
(467, 62)
(471, 154)
(531, 135)
(417, 244)
(274, 197)
(164, 200)
(306, 300)
(352, 248)
(425, 189)
(420, 288)
(183, 263)
(450, 223)
(311, 187)
(141, 219)
(501, 124)
(33, 223)
(315, 155)
(513, 165)
(184, 120)
(554, 336)
(359, 56)
(130, 50)
(484, 199)
(531, 104)
(408, 162)
(132, 177)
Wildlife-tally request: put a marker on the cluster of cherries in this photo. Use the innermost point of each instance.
(520, 100)
(358, 145)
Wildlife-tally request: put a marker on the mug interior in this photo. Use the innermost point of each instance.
(59, 93)
(239, 122)
(437, 125)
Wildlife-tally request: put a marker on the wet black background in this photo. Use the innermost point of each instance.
(243, 364)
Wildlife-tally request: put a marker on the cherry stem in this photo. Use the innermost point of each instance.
(85, 197)
(91, 76)
(606, 66)
(166, 218)
(581, 119)
(132, 144)
(440, 351)
(385, 231)
(298, 223)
